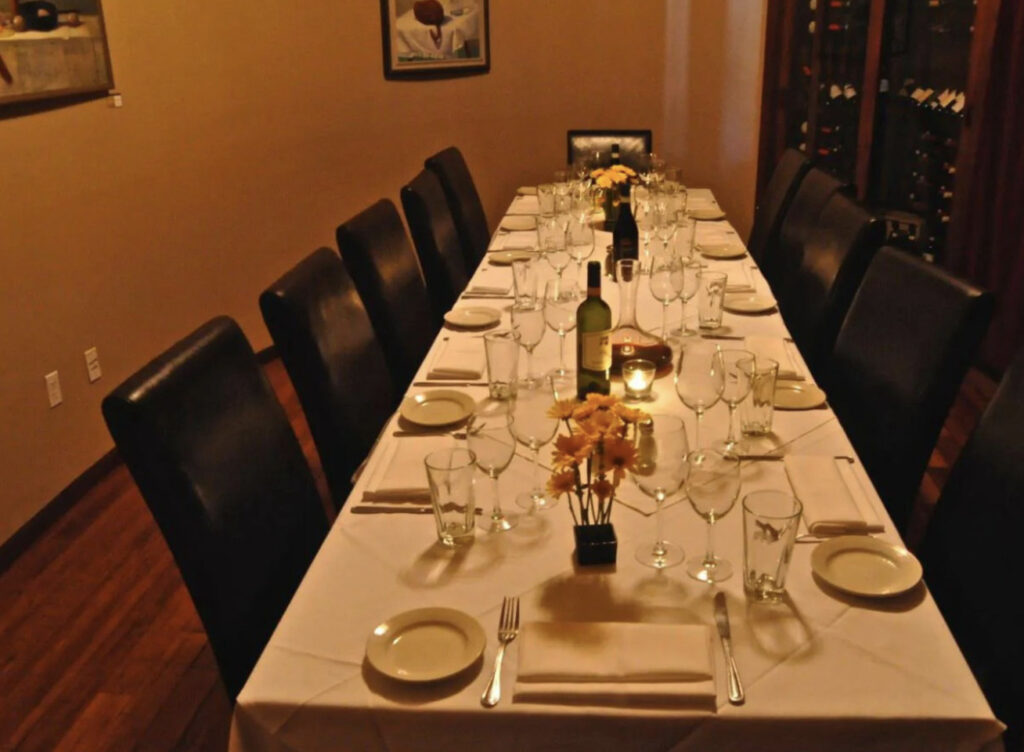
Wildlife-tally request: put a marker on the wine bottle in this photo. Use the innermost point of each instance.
(593, 339)
(625, 236)
(616, 156)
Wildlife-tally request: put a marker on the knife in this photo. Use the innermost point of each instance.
(398, 510)
(722, 622)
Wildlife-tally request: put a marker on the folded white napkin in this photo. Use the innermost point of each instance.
(399, 474)
(498, 289)
(510, 241)
(834, 503)
(616, 663)
(775, 348)
(527, 190)
(459, 358)
(524, 205)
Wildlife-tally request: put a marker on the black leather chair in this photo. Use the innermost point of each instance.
(634, 146)
(900, 356)
(971, 561)
(215, 458)
(378, 255)
(436, 240)
(324, 337)
(464, 202)
(780, 260)
(775, 200)
(831, 266)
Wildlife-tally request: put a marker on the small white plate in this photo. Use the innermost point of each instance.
(519, 222)
(425, 644)
(721, 250)
(438, 407)
(705, 214)
(746, 302)
(798, 395)
(505, 258)
(473, 317)
(527, 190)
(862, 565)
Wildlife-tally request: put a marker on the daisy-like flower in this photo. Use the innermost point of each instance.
(618, 457)
(602, 488)
(563, 409)
(571, 450)
(562, 483)
(583, 412)
(629, 414)
(604, 181)
(602, 423)
(603, 401)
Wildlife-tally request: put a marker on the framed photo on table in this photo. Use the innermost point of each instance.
(435, 38)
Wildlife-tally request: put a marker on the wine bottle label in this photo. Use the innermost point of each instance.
(596, 351)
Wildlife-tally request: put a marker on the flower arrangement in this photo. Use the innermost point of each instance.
(616, 175)
(593, 457)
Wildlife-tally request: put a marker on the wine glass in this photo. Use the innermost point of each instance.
(643, 213)
(664, 220)
(712, 486)
(551, 242)
(688, 285)
(665, 283)
(489, 438)
(739, 376)
(528, 323)
(580, 241)
(659, 472)
(560, 303)
(699, 377)
(532, 424)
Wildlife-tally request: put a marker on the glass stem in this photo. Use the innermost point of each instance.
(561, 352)
(664, 318)
(536, 471)
(659, 540)
(682, 314)
(696, 433)
(529, 364)
(709, 557)
(496, 509)
(731, 439)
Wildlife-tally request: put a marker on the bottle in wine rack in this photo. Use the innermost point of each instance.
(593, 339)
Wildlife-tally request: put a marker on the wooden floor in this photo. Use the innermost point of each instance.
(101, 649)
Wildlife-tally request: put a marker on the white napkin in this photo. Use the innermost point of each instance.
(598, 663)
(515, 240)
(400, 475)
(739, 279)
(499, 289)
(717, 233)
(527, 190)
(524, 205)
(775, 348)
(833, 504)
(459, 358)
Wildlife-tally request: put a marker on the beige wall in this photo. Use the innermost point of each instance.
(247, 134)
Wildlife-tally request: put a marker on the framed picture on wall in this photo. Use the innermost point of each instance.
(434, 38)
(52, 48)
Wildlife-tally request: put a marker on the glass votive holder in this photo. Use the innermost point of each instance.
(637, 378)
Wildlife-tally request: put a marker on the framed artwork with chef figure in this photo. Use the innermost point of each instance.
(435, 38)
(52, 48)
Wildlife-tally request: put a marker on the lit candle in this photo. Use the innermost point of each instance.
(637, 377)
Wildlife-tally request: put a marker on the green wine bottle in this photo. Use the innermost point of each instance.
(593, 338)
(626, 235)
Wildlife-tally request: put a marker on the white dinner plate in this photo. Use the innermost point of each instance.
(519, 222)
(473, 317)
(425, 644)
(798, 395)
(505, 258)
(527, 190)
(746, 302)
(705, 214)
(438, 407)
(862, 565)
(721, 250)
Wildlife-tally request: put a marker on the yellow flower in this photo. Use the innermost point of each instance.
(619, 456)
(603, 181)
(562, 483)
(584, 411)
(602, 400)
(571, 450)
(602, 422)
(602, 488)
(563, 409)
(629, 414)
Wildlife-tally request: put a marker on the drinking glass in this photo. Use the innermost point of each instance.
(665, 283)
(664, 220)
(533, 425)
(524, 279)
(450, 475)
(756, 412)
(686, 233)
(770, 520)
(659, 472)
(699, 377)
(546, 199)
(528, 323)
(551, 242)
(738, 368)
(691, 269)
(501, 349)
(580, 241)
(710, 298)
(489, 438)
(561, 299)
(712, 485)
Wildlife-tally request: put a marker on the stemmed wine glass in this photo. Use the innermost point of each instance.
(739, 376)
(560, 303)
(580, 241)
(489, 438)
(688, 288)
(533, 425)
(659, 472)
(700, 377)
(528, 323)
(666, 282)
(712, 485)
(643, 213)
(664, 220)
(551, 242)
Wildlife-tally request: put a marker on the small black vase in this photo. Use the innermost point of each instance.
(595, 544)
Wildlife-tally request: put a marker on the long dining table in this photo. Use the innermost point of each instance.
(822, 670)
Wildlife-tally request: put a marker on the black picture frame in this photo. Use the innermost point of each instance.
(459, 46)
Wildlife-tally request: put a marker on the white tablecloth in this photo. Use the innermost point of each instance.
(823, 671)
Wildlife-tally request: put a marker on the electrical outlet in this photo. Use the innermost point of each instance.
(92, 364)
(53, 388)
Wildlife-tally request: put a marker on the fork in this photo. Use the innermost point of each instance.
(508, 629)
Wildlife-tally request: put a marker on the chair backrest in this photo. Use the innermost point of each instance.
(779, 261)
(378, 255)
(970, 552)
(217, 462)
(775, 200)
(436, 239)
(902, 351)
(815, 300)
(327, 343)
(634, 145)
(464, 202)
